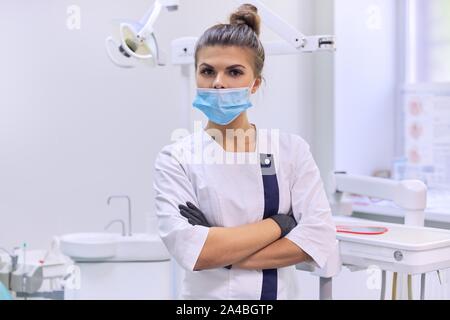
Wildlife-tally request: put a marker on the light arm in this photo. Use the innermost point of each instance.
(152, 15)
(276, 23)
(297, 40)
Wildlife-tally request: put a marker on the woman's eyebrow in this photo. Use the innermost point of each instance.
(236, 66)
(230, 67)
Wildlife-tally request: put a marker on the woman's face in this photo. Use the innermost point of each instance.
(225, 67)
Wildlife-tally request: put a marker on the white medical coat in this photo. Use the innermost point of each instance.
(199, 170)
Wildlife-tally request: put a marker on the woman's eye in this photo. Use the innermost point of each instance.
(235, 73)
(207, 72)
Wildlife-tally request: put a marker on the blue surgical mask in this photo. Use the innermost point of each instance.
(222, 106)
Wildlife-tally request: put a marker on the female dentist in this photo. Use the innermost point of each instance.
(239, 227)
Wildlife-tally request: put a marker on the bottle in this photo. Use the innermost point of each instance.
(399, 168)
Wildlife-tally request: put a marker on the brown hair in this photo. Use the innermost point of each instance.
(242, 31)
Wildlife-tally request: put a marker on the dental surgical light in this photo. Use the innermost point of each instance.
(135, 41)
(138, 42)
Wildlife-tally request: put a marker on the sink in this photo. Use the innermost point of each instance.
(141, 247)
(90, 247)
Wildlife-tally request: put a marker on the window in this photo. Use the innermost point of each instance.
(428, 46)
(426, 96)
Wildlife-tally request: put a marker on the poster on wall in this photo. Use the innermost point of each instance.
(427, 136)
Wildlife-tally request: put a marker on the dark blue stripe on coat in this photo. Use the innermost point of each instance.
(271, 204)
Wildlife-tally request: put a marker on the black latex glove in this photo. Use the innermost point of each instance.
(286, 222)
(195, 217)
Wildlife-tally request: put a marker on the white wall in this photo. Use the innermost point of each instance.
(356, 89)
(75, 129)
(365, 85)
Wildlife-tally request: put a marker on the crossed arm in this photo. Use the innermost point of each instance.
(278, 254)
(252, 246)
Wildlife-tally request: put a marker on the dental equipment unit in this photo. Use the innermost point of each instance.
(34, 273)
(410, 249)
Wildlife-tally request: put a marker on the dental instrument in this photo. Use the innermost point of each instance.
(4, 292)
(394, 286)
(383, 285)
(8, 269)
(24, 275)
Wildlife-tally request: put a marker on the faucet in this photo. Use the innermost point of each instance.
(121, 222)
(129, 211)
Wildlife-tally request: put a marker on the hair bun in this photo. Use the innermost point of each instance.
(247, 14)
